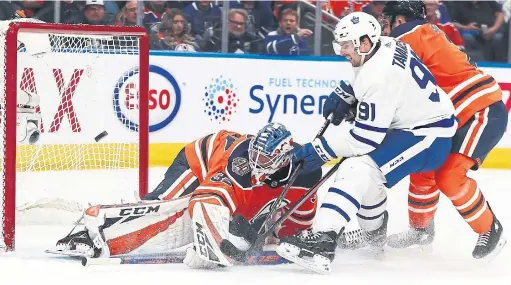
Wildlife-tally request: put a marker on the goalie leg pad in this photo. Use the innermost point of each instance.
(210, 225)
(148, 227)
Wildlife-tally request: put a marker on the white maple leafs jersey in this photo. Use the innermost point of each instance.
(395, 90)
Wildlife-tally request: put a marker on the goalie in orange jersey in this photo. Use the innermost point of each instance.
(482, 117)
(220, 177)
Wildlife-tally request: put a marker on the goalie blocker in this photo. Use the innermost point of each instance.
(220, 186)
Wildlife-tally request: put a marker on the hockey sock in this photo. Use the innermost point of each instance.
(464, 193)
(423, 196)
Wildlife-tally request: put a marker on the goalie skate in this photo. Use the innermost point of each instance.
(78, 244)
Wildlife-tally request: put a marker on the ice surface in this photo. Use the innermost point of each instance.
(449, 263)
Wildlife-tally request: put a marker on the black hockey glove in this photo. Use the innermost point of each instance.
(241, 228)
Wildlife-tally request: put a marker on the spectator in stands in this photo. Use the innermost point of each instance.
(204, 17)
(288, 39)
(432, 16)
(442, 13)
(239, 41)
(8, 10)
(174, 33)
(374, 8)
(68, 9)
(343, 8)
(128, 14)
(260, 16)
(480, 25)
(153, 12)
(93, 14)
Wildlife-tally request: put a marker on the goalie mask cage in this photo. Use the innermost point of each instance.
(71, 69)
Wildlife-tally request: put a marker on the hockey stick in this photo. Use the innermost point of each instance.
(259, 258)
(290, 182)
(239, 255)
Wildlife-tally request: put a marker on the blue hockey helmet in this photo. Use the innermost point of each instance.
(270, 150)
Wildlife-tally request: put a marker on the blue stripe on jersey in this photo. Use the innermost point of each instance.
(337, 209)
(330, 151)
(364, 140)
(445, 123)
(345, 195)
(369, 218)
(374, 206)
(370, 128)
(405, 28)
(471, 89)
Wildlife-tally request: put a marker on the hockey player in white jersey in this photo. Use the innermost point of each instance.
(404, 124)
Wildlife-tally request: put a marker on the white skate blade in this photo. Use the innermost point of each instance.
(424, 249)
(498, 248)
(70, 253)
(318, 263)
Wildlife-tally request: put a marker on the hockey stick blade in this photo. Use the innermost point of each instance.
(232, 251)
(259, 258)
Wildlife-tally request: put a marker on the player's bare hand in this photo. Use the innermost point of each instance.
(472, 26)
(489, 33)
(304, 33)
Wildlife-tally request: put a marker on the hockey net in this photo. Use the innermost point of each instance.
(94, 118)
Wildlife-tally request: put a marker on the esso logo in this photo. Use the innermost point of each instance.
(164, 98)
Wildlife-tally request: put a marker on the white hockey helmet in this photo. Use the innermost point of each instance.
(354, 26)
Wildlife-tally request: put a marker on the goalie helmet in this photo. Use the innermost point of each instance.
(269, 150)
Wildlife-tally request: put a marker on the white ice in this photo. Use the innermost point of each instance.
(449, 263)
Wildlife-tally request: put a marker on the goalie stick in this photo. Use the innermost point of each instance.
(232, 251)
(259, 258)
(290, 182)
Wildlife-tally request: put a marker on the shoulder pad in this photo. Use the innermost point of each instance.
(238, 168)
(405, 28)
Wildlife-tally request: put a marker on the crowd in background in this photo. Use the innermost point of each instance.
(481, 28)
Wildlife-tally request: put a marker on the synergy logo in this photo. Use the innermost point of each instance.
(164, 98)
(220, 99)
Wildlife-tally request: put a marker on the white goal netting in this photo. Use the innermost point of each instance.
(84, 85)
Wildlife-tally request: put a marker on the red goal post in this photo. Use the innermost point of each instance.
(65, 150)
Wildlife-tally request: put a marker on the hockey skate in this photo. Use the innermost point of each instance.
(312, 250)
(416, 238)
(78, 244)
(358, 239)
(491, 243)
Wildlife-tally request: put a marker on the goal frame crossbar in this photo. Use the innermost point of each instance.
(11, 83)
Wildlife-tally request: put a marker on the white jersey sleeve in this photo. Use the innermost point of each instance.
(395, 91)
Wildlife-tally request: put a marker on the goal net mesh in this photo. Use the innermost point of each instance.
(89, 122)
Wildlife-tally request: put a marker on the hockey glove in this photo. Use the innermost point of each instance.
(314, 154)
(339, 103)
(241, 237)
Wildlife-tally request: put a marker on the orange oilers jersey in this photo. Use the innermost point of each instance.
(469, 88)
(220, 163)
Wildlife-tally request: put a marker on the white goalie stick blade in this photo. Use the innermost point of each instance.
(318, 263)
(210, 225)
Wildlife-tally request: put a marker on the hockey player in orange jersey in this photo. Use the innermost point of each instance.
(482, 117)
(221, 176)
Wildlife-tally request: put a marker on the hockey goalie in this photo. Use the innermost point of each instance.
(220, 186)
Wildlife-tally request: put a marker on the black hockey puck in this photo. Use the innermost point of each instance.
(100, 136)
